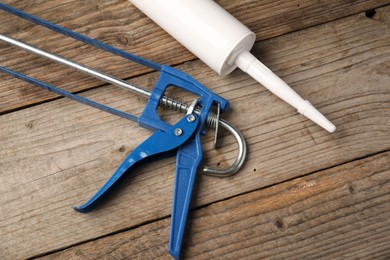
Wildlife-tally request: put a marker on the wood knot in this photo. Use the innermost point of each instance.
(370, 13)
(122, 39)
(279, 223)
(122, 149)
(29, 124)
(352, 189)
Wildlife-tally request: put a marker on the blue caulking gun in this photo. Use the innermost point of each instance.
(182, 137)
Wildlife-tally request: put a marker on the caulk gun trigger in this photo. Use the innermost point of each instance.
(158, 143)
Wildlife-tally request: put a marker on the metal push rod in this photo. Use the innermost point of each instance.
(79, 67)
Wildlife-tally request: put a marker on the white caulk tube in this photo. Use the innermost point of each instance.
(223, 43)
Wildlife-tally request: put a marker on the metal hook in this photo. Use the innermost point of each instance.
(213, 120)
(241, 154)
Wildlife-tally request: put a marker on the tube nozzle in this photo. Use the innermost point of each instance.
(257, 70)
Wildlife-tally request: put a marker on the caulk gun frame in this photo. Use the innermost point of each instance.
(212, 120)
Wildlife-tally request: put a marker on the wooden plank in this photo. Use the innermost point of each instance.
(339, 213)
(57, 154)
(118, 23)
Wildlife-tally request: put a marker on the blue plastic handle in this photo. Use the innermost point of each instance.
(188, 158)
(159, 142)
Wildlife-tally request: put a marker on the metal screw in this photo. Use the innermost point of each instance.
(191, 118)
(178, 132)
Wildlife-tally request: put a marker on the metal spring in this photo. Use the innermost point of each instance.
(212, 120)
(177, 105)
(174, 104)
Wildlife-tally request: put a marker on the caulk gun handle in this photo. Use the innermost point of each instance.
(188, 159)
(158, 143)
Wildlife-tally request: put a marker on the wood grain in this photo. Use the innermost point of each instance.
(57, 154)
(339, 213)
(118, 23)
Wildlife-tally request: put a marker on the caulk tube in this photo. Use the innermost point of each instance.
(223, 43)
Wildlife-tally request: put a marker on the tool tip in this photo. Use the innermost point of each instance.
(81, 209)
(331, 128)
(313, 114)
(174, 253)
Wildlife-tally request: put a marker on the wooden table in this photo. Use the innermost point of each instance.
(302, 194)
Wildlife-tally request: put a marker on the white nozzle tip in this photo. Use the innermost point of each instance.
(313, 114)
(249, 64)
(329, 127)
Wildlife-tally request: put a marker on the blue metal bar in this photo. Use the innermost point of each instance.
(80, 37)
(67, 94)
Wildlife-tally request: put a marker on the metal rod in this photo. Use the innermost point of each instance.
(94, 73)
